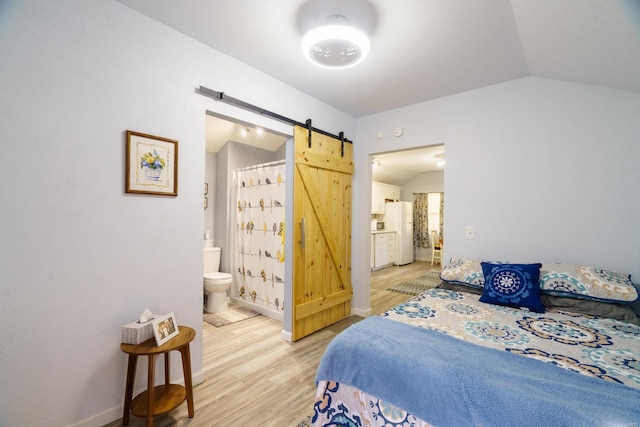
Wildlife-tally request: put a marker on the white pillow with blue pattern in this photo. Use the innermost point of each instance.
(565, 280)
(464, 271)
(587, 282)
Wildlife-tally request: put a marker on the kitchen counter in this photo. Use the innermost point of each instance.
(381, 231)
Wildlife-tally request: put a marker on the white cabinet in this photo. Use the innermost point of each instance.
(381, 193)
(391, 247)
(384, 249)
(373, 245)
(377, 198)
(391, 192)
(380, 250)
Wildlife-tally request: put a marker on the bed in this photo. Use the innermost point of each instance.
(564, 351)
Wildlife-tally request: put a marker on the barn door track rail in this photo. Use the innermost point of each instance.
(221, 96)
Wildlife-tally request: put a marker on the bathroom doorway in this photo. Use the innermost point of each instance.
(233, 145)
(234, 156)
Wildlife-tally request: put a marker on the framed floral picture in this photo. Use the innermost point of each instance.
(164, 328)
(151, 165)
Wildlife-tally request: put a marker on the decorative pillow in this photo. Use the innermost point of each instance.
(464, 271)
(513, 285)
(586, 282)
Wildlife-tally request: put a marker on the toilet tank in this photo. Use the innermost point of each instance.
(211, 260)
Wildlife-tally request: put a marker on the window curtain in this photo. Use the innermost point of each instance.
(420, 221)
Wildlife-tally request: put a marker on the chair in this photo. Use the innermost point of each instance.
(436, 248)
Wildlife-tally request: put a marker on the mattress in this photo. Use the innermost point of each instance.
(604, 350)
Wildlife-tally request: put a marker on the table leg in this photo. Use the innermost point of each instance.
(188, 381)
(128, 391)
(150, 389)
(167, 376)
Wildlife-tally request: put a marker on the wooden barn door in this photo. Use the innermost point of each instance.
(321, 291)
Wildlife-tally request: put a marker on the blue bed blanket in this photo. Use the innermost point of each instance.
(446, 381)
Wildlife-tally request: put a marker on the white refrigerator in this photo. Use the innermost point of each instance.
(398, 217)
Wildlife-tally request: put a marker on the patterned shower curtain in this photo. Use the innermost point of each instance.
(259, 235)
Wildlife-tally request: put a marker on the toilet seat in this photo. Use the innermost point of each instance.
(217, 277)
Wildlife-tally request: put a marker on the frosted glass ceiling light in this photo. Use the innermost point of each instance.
(336, 45)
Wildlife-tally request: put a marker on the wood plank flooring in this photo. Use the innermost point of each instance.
(276, 387)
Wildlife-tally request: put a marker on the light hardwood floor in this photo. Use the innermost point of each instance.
(254, 378)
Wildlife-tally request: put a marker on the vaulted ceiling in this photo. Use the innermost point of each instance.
(420, 49)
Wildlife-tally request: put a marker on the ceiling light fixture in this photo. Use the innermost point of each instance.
(336, 45)
(441, 163)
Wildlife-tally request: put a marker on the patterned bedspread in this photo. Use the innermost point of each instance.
(598, 347)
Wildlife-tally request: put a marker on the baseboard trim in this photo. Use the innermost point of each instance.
(258, 309)
(115, 413)
(286, 335)
(361, 312)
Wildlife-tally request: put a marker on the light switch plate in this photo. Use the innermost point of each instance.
(470, 233)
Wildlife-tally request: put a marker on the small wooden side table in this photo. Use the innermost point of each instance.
(160, 399)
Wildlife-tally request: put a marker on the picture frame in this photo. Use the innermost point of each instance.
(151, 165)
(164, 328)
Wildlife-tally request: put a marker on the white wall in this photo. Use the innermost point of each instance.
(79, 257)
(545, 170)
(210, 178)
(428, 182)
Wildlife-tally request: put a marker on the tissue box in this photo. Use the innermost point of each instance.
(136, 332)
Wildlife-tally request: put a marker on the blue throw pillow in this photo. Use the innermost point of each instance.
(513, 285)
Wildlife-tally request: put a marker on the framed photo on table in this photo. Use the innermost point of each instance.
(151, 165)
(164, 328)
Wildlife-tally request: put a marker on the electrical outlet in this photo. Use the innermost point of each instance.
(470, 233)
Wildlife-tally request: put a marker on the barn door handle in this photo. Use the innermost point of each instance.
(302, 233)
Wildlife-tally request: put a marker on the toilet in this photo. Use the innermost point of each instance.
(215, 282)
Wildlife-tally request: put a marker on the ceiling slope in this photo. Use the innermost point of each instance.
(421, 50)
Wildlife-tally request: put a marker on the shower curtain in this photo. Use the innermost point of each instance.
(259, 236)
